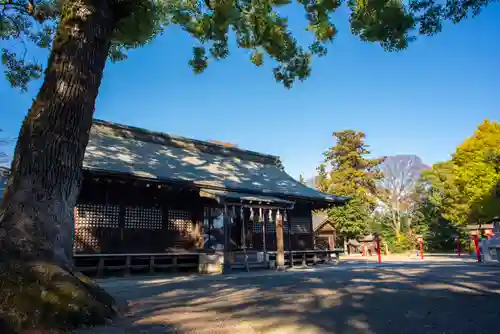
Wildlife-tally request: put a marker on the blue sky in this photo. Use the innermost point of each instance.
(423, 101)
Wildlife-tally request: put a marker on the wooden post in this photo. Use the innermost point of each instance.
(100, 267)
(197, 233)
(280, 247)
(243, 234)
(476, 246)
(175, 263)
(263, 222)
(128, 263)
(420, 242)
(378, 248)
(290, 250)
(151, 264)
(227, 238)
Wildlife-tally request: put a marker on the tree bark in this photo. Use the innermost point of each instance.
(395, 222)
(36, 215)
(37, 285)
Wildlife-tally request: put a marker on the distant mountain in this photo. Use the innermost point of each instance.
(409, 164)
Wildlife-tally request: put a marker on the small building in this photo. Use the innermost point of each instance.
(485, 230)
(324, 232)
(326, 237)
(489, 229)
(147, 192)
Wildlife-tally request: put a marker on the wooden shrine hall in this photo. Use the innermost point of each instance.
(152, 201)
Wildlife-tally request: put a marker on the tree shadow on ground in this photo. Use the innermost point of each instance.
(452, 298)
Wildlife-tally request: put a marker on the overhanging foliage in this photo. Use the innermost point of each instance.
(256, 24)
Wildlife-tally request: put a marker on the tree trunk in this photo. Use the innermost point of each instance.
(395, 222)
(227, 243)
(386, 247)
(36, 215)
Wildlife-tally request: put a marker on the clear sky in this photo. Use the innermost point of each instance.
(423, 101)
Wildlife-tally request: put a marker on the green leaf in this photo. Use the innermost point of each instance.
(255, 25)
(19, 72)
(200, 61)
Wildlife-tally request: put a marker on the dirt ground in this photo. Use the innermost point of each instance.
(403, 295)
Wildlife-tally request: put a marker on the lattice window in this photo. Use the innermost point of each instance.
(256, 226)
(179, 221)
(270, 226)
(85, 239)
(301, 225)
(145, 218)
(97, 215)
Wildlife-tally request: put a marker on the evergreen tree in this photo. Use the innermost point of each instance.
(351, 173)
(427, 221)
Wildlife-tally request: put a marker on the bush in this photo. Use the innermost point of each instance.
(400, 244)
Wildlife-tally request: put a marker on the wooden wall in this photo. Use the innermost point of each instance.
(114, 217)
(117, 217)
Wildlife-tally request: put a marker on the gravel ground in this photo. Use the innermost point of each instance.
(438, 296)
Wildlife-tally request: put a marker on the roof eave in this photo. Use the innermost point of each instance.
(335, 200)
(322, 224)
(320, 203)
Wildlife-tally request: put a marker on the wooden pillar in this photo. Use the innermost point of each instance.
(227, 240)
(243, 230)
(263, 222)
(290, 250)
(197, 219)
(206, 215)
(121, 224)
(286, 220)
(151, 264)
(280, 247)
(331, 241)
(165, 231)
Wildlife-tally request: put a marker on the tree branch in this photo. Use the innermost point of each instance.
(27, 10)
